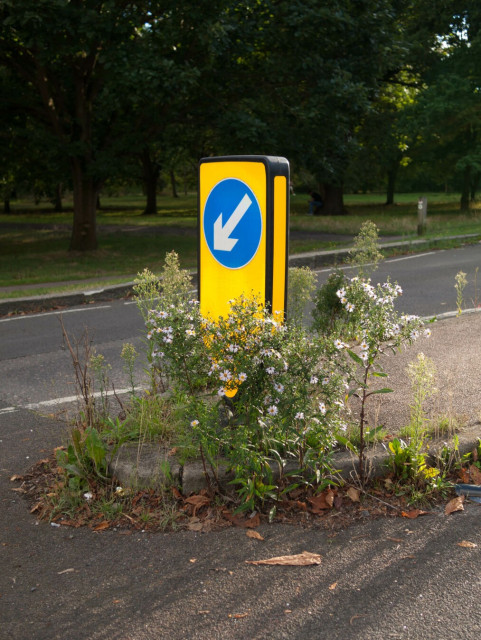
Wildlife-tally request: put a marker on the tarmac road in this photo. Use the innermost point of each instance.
(379, 579)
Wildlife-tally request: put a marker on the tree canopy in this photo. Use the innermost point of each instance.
(116, 88)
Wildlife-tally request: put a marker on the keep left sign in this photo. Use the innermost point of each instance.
(243, 230)
(232, 223)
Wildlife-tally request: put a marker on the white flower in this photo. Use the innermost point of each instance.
(299, 415)
(350, 307)
(414, 334)
(314, 380)
(270, 370)
(163, 314)
(88, 496)
(194, 423)
(341, 293)
(149, 335)
(272, 410)
(322, 408)
(225, 375)
(339, 344)
(167, 339)
(364, 345)
(344, 300)
(427, 333)
(221, 392)
(190, 332)
(233, 348)
(325, 381)
(242, 377)
(279, 387)
(364, 356)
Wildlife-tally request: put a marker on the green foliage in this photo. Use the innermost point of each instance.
(84, 461)
(257, 392)
(461, 282)
(365, 254)
(327, 314)
(301, 285)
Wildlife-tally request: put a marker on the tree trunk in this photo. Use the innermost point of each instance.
(333, 200)
(466, 189)
(57, 199)
(174, 184)
(474, 185)
(150, 176)
(391, 184)
(6, 206)
(85, 191)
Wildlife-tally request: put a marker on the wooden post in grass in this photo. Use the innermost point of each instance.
(422, 215)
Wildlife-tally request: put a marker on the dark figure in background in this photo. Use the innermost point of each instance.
(315, 203)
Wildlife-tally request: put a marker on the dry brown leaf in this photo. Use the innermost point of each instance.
(467, 545)
(102, 526)
(16, 477)
(413, 513)
(475, 474)
(238, 616)
(245, 523)
(250, 533)
(456, 504)
(176, 493)
(333, 586)
(353, 494)
(303, 559)
(35, 507)
(323, 501)
(395, 539)
(197, 502)
(195, 526)
(192, 560)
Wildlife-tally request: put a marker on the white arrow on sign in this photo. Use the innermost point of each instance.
(222, 239)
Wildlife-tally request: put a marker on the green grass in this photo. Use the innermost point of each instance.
(35, 256)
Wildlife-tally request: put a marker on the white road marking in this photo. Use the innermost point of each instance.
(66, 400)
(54, 313)
(343, 267)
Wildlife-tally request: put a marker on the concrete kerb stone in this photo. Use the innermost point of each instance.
(312, 259)
(150, 466)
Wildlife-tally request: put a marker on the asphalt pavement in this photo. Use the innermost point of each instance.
(381, 578)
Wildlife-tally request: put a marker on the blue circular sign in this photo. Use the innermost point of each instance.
(232, 223)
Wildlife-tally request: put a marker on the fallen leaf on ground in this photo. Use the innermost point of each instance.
(197, 502)
(193, 560)
(237, 616)
(333, 586)
(303, 559)
(65, 571)
(16, 477)
(176, 493)
(323, 501)
(467, 545)
(195, 526)
(395, 539)
(353, 494)
(205, 612)
(102, 526)
(414, 513)
(250, 533)
(475, 474)
(245, 523)
(456, 504)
